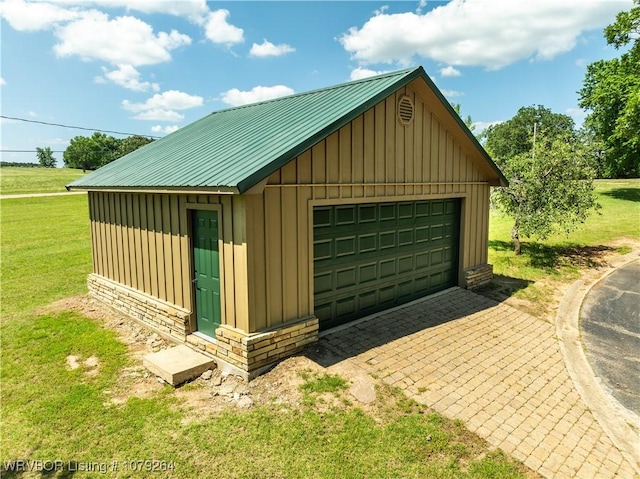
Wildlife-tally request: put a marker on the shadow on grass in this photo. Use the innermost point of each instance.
(628, 194)
(553, 257)
(503, 287)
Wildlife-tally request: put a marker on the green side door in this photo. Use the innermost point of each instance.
(206, 260)
(373, 256)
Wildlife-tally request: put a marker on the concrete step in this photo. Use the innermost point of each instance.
(178, 364)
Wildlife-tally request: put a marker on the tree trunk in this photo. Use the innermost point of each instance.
(515, 237)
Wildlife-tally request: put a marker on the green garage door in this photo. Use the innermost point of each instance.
(370, 257)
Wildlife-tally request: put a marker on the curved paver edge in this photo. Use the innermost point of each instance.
(608, 413)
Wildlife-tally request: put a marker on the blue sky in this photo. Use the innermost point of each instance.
(151, 66)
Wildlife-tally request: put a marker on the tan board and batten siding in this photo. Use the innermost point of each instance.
(372, 158)
(152, 231)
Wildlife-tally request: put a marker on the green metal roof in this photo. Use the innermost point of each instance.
(236, 148)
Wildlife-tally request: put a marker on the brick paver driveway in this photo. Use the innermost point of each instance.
(494, 367)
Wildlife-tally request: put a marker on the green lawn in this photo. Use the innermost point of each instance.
(536, 274)
(16, 180)
(51, 412)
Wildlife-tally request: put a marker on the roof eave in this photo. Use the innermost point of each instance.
(187, 190)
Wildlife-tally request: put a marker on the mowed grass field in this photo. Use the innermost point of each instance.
(16, 180)
(50, 412)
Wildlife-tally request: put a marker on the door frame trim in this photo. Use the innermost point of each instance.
(189, 208)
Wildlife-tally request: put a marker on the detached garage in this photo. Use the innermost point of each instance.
(249, 230)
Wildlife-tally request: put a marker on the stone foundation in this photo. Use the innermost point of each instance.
(166, 318)
(478, 276)
(246, 355)
(250, 354)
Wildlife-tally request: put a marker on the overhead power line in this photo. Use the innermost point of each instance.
(74, 127)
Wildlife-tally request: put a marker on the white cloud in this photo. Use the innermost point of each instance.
(191, 9)
(492, 33)
(480, 126)
(268, 49)
(128, 77)
(218, 30)
(451, 93)
(33, 114)
(159, 114)
(32, 16)
(124, 40)
(578, 115)
(164, 129)
(360, 73)
(235, 97)
(163, 106)
(450, 71)
(2, 82)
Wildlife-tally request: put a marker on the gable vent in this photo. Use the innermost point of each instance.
(405, 110)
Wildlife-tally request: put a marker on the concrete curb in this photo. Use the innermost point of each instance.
(610, 414)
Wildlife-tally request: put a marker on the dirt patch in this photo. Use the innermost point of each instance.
(201, 398)
(72, 362)
(90, 366)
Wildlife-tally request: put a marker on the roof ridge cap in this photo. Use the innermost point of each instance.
(398, 73)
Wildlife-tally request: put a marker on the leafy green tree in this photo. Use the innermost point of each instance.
(467, 121)
(611, 92)
(551, 188)
(45, 157)
(550, 169)
(90, 153)
(517, 135)
(132, 143)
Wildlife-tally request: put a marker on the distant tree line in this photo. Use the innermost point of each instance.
(16, 163)
(88, 152)
(92, 152)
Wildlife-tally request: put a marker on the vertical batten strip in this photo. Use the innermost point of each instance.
(289, 243)
(302, 221)
(175, 256)
(229, 260)
(240, 263)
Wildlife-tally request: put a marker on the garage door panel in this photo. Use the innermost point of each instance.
(370, 257)
(323, 282)
(388, 239)
(322, 217)
(346, 306)
(437, 208)
(323, 250)
(367, 214)
(346, 246)
(387, 295)
(345, 277)
(422, 234)
(405, 264)
(368, 243)
(368, 272)
(345, 215)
